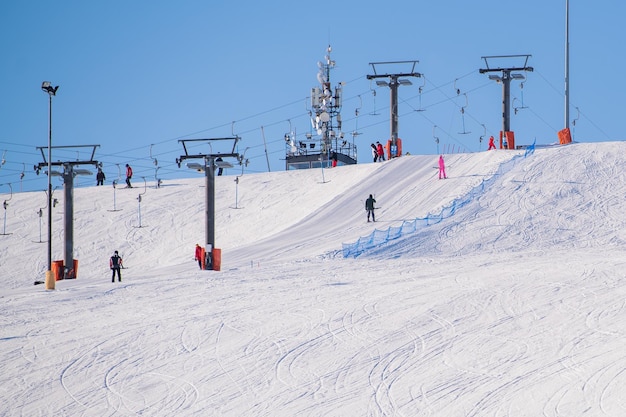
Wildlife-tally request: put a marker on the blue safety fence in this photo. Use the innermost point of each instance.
(380, 237)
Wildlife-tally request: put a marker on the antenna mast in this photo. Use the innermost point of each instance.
(325, 113)
(566, 63)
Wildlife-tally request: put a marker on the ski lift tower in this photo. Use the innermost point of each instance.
(69, 172)
(394, 145)
(211, 161)
(507, 138)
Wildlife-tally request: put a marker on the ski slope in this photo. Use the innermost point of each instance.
(514, 306)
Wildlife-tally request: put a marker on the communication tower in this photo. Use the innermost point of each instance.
(326, 140)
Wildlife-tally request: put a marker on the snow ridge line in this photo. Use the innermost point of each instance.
(379, 237)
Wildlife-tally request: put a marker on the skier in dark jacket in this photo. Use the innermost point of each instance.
(369, 207)
(100, 177)
(116, 263)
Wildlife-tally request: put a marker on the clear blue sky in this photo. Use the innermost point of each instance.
(138, 73)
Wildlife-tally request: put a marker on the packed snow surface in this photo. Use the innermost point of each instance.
(513, 306)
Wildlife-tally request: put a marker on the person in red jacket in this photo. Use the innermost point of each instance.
(491, 144)
(129, 175)
(198, 256)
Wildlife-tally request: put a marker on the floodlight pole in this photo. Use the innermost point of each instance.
(50, 183)
(567, 63)
(46, 86)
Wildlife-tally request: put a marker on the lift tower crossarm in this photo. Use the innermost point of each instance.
(485, 70)
(412, 73)
(524, 67)
(184, 142)
(408, 74)
(90, 161)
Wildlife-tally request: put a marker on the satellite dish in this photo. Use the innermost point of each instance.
(324, 117)
(320, 78)
(319, 64)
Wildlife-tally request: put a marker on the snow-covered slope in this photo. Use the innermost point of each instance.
(514, 306)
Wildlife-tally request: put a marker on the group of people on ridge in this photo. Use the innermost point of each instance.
(378, 152)
(100, 177)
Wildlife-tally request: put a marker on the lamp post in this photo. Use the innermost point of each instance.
(47, 88)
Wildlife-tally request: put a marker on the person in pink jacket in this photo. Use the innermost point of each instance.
(442, 168)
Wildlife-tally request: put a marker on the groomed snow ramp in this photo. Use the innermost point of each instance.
(379, 238)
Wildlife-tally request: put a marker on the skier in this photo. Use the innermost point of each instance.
(374, 152)
(492, 145)
(100, 177)
(129, 175)
(115, 263)
(381, 151)
(369, 207)
(442, 167)
(198, 255)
